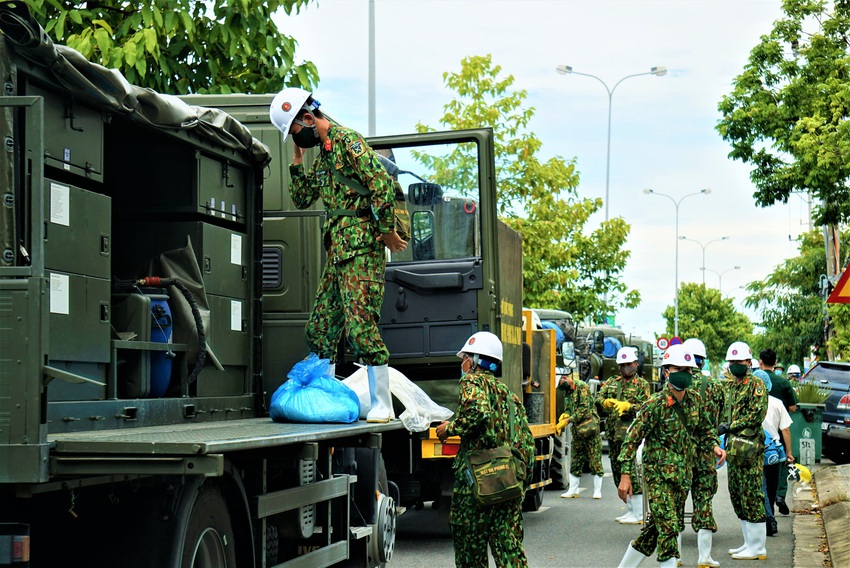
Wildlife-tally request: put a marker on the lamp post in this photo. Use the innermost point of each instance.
(566, 69)
(703, 246)
(676, 203)
(719, 276)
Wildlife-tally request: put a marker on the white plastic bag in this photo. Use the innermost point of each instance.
(420, 411)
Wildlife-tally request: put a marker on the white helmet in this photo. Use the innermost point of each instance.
(695, 347)
(739, 351)
(793, 369)
(285, 107)
(482, 343)
(626, 355)
(679, 356)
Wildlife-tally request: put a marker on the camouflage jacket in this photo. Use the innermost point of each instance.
(577, 401)
(346, 236)
(634, 390)
(746, 401)
(671, 440)
(713, 397)
(482, 419)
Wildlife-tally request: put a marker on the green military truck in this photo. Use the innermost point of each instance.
(154, 283)
(603, 353)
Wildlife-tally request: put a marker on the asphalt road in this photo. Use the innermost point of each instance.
(582, 533)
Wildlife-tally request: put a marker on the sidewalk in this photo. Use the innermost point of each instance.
(828, 514)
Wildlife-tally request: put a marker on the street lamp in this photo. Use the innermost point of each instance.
(705, 191)
(703, 246)
(719, 275)
(566, 69)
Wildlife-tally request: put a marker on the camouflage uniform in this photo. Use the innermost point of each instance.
(579, 404)
(634, 390)
(704, 484)
(475, 526)
(747, 407)
(351, 289)
(671, 442)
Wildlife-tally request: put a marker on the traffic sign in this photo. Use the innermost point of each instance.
(841, 293)
(676, 341)
(662, 343)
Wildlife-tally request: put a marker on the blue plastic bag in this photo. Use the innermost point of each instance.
(312, 397)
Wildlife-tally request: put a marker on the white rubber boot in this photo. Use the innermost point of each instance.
(331, 370)
(756, 535)
(679, 548)
(636, 515)
(632, 558)
(572, 492)
(628, 510)
(597, 487)
(704, 538)
(743, 546)
(669, 563)
(379, 394)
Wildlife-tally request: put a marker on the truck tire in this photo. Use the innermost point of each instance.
(209, 540)
(560, 467)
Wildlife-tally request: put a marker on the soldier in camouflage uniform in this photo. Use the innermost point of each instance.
(674, 428)
(620, 399)
(704, 483)
(578, 406)
(746, 406)
(481, 421)
(359, 225)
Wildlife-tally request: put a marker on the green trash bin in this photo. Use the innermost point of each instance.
(806, 432)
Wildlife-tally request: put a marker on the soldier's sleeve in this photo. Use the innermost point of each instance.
(636, 434)
(368, 169)
(706, 431)
(473, 410)
(303, 187)
(584, 405)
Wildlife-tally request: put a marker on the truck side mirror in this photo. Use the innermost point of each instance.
(598, 341)
(425, 193)
(568, 351)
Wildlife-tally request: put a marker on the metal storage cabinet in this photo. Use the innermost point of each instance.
(79, 318)
(73, 134)
(78, 231)
(229, 338)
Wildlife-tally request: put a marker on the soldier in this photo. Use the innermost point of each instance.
(357, 229)
(578, 405)
(704, 482)
(481, 422)
(673, 427)
(620, 398)
(746, 407)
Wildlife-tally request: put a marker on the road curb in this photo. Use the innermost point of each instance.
(833, 488)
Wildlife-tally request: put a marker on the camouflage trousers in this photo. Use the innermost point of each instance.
(587, 452)
(666, 517)
(703, 488)
(614, 455)
(475, 527)
(745, 491)
(349, 299)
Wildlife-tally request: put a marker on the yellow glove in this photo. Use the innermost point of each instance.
(609, 402)
(621, 406)
(563, 420)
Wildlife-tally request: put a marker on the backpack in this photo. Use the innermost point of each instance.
(774, 451)
(400, 212)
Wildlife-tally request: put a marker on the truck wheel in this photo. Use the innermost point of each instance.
(209, 541)
(561, 461)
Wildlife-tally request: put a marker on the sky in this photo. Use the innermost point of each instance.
(663, 133)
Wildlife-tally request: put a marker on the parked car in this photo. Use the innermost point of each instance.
(836, 416)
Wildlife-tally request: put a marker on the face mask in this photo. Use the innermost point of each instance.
(739, 370)
(307, 137)
(680, 380)
(628, 370)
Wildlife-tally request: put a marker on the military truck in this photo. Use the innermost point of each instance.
(602, 342)
(146, 317)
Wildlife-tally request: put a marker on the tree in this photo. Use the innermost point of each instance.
(183, 46)
(563, 268)
(790, 303)
(787, 114)
(705, 314)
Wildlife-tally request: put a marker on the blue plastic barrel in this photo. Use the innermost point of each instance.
(160, 333)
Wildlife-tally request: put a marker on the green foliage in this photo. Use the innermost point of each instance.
(706, 315)
(183, 46)
(790, 303)
(787, 114)
(839, 342)
(809, 392)
(563, 268)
